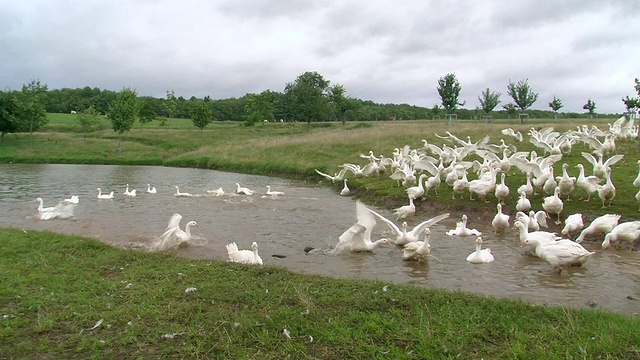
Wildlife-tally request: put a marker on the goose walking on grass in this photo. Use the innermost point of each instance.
(566, 183)
(417, 191)
(607, 192)
(587, 184)
(502, 190)
(480, 256)
(244, 256)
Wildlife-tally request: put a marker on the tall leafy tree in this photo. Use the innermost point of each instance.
(123, 111)
(631, 104)
(147, 111)
(307, 96)
(170, 106)
(555, 105)
(449, 91)
(8, 114)
(590, 106)
(341, 102)
(521, 93)
(258, 108)
(88, 119)
(201, 114)
(489, 100)
(31, 108)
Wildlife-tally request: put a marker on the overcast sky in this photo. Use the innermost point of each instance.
(387, 52)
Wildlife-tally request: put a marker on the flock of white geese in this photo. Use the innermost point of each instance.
(423, 170)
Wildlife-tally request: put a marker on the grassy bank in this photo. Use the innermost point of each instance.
(290, 150)
(56, 288)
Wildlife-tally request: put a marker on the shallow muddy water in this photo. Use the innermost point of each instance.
(307, 215)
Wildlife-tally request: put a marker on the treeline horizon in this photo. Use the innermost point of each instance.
(67, 100)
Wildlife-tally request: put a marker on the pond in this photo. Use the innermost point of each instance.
(307, 215)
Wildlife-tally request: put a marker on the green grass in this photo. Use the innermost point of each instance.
(55, 288)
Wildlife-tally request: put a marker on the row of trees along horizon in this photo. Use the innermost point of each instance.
(308, 98)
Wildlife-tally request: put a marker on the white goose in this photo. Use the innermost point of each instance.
(405, 211)
(587, 184)
(560, 254)
(173, 235)
(636, 182)
(243, 190)
(523, 203)
(460, 185)
(543, 237)
(151, 190)
(244, 256)
(502, 190)
(357, 238)
(417, 250)
(607, 192)
(217, 192)
(553, 205)
(74, 199)
(527, 188)
(181, 194)
(566, 183)
(104, 196)
(638, 199)
(572, 224)
(483, 187)
(550, 184)
(600, 166)
(500, 221)
(626, 231)
(480, 256)
(274, 194)
(534, 220)
(417, 191)
(403, 236)
(600, 225)
(345, 189)
(45, 213)
(462, 230)
(131, 193)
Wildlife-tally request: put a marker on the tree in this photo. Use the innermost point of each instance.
(170, 106)
(449, 91)
(31, 110)
(341, 102)
(489, 100)
(201, 114)
(307, 96)
(8, 114)
(522, 95)
(88, 118)
(123, 111)
(147, 112)
(258, 108)
(510, 109)
(555, 105)
(590, 106)
(631, 104)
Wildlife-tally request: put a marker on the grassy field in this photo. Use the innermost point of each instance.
(65, 297)
(56, 288)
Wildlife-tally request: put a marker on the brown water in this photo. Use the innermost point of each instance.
(308, 215)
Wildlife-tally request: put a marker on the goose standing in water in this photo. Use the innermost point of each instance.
(174, 236)
(500, 221)
(480, 256)
(600, 225)
(345, 189)
(357, 238)
(626, 231)
(554, 205)
(572, 224)
(104, 196)
(560, 254)
(462, 230)
(244, 256)
(417, 250)
(151, 190)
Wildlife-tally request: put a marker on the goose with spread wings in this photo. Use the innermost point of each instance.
(402, 234)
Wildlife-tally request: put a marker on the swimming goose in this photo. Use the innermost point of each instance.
(566, 183)
(181, 194)
(500, 221)
(607, 192)
(417, 250)
(587, 184)
(357, 238)
(74, 199)
(104, 196)
(560, 254)
(600, 225)
(553, 205)
(217, 192)
(131, 193)
(151, 190)
(403, 236)
(480, 256)
(572, 224)
(523, 203)
(244, 256)
(406, 210)
(345, 189)
(45, 213)
(274, 194)
(626, 231)
(462, 230)
(243, 190)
